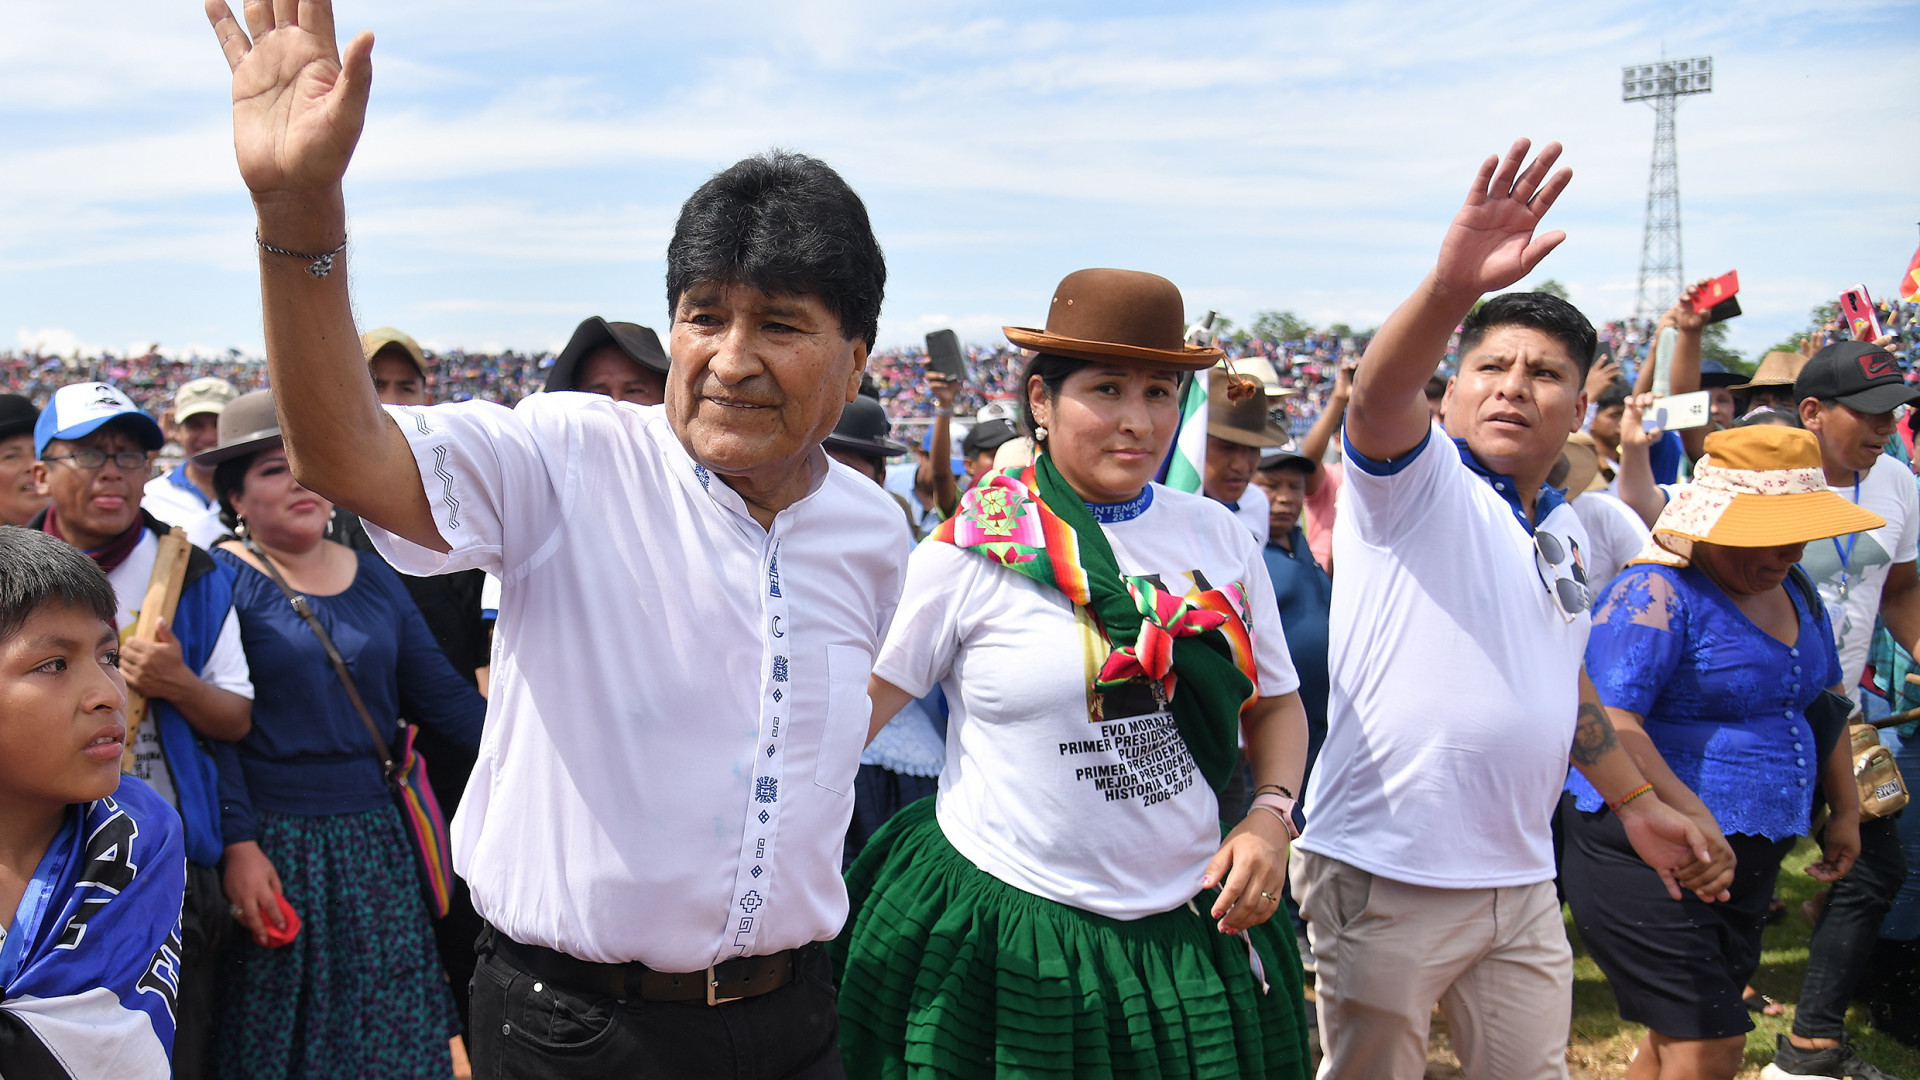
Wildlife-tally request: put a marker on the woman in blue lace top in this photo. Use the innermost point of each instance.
(1706, 644)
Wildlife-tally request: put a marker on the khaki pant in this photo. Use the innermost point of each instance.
(1495, 960)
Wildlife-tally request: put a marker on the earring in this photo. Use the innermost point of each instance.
(1040, 433)
(240, 527)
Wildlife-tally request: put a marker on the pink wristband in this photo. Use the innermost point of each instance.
(1282, 808)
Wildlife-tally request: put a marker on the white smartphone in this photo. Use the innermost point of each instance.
(1679, 412)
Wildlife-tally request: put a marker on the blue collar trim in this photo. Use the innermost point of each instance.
(179, 478)
(1546, 502)
(1115, 513)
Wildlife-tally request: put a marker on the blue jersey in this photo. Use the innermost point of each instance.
(89, 967)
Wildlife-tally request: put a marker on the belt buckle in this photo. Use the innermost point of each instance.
(713, 980)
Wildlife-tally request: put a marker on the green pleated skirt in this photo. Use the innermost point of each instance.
(947, 971)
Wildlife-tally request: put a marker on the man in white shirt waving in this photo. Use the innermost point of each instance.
(1459, 620)
(692, 596)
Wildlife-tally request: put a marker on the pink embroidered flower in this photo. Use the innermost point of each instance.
(998, 511)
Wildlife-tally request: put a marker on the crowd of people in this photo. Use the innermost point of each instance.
(754, 753)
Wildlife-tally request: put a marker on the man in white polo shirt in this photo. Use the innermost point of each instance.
(184, 497)
(1459, 620)
(692, 594)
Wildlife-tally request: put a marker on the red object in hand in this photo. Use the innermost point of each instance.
(1717, 291)
(277, 938)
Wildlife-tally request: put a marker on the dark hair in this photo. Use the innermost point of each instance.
(37, 570)
(1544, 312)
(1053, 371)
(1437, 386)
(230, 479)
(1613, 396)
(782, 223)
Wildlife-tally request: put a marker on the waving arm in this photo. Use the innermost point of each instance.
(1490, 245)
(298, 108)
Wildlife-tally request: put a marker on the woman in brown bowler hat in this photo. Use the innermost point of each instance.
(1065, 907)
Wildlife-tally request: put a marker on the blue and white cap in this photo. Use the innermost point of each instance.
(79, 410)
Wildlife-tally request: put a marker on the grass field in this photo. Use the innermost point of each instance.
(1601, 1041)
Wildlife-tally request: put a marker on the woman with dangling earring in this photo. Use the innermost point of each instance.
(307, 813)
(1065, 906)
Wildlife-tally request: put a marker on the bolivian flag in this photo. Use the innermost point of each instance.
(1910, 285)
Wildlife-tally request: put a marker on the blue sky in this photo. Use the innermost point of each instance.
(523, 161)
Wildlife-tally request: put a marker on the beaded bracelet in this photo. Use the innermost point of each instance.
(1632, 795)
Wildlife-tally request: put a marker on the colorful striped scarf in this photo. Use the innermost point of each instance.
(1031, 521)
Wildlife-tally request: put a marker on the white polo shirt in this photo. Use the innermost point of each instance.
(1455, 677)
(1254, 510)
(679, 696)
(173, 499)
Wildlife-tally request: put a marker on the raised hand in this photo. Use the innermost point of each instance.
(1683, 316)
(298, 107)
(1491, 243)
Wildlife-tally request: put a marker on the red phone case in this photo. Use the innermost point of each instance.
(1716, 291)
(277, 938)
(1856, 307)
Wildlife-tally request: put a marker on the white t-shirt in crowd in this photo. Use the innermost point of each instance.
(1455, 678)
(226, 665)
(1886, 489)
(1091, 801)
(1617, 533)
(164, 498)
(1254, 510)
(679, 695)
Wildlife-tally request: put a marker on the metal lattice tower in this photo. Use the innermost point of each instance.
(1661, 85)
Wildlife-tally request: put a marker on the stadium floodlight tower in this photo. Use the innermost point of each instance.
(1661, 85)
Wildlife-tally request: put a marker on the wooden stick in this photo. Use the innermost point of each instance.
(162, 599)
(1898, 718)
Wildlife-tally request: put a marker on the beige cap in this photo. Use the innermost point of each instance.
(208, 395)
(373, 341)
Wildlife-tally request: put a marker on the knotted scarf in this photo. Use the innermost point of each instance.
(1031, 521)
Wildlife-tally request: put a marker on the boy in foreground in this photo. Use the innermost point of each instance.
(92, 864)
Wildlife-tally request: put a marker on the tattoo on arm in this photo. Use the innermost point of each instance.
(1593, 736)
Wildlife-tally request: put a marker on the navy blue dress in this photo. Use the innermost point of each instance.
(361, 991)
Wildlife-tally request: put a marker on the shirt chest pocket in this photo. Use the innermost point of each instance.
(848, 714)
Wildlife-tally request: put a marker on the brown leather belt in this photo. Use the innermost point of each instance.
(731, 980)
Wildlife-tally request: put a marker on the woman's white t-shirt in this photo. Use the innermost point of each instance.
(1042, 789)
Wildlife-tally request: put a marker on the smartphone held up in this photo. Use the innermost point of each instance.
(945, 356)
(1718, 299)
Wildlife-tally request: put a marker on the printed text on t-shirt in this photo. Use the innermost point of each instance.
(1145, 759)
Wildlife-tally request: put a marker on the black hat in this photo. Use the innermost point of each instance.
(1859, 375)
(987, 436)
(17, 416)
(640, 343)
(863, 429)
(1714, 374)
(1288, 456)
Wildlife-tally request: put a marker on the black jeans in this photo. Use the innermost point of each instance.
(524, 1028)
(206, 921)
(1843, 940)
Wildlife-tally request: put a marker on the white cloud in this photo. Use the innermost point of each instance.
(524, 163)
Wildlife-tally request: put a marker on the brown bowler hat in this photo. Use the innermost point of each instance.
(1244, 422)
(1122, 315)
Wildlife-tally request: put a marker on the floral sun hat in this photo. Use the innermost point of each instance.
(1759, 486)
